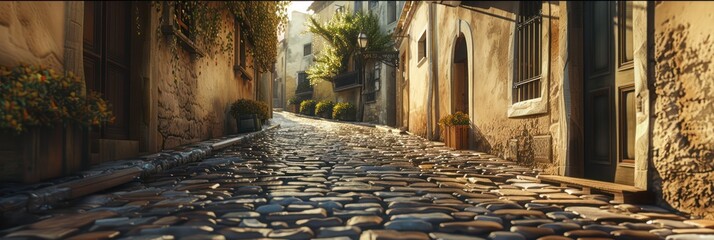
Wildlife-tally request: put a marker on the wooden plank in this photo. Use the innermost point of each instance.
(100, 182)
(588, 183)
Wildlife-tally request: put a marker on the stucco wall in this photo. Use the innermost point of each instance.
(417, 72)
(195, 105)
(491, 29)
(293, 54)
(682, 141)
(32, 33)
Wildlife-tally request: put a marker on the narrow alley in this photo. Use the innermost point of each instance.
(321, 179)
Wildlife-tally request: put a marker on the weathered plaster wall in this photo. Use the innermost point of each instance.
(32, 33)
(493, 37)
(294, 57)
(378, 112)
(417, 71)
(195, 105)
(323, 90)
(682, 140)
(492, 33)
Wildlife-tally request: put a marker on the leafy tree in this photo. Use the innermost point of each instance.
(341, 34)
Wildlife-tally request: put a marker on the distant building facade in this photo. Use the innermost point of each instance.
(376, 92)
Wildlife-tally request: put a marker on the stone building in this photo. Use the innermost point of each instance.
(164, 94)
(294, 57)
(613, 91)
(379, 78)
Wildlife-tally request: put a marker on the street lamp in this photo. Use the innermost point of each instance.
(362, 40)
(390, 58)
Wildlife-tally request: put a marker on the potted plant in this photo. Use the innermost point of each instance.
(294, 102)
(455, 127)
(38, 110)
(249, 114)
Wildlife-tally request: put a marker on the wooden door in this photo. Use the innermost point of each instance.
(460, 78)
(106, 60)
(608, 91)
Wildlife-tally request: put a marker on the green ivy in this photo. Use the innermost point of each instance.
(207, 21)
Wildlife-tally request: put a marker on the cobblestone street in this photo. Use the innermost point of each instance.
(321, 179)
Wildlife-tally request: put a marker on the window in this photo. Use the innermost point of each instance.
(624, 24)
(391, 11)
(241, 50)
(377, 75)
(421, 52)
(307, 49)
(527, 77)
(239, 46)
(303, 84)
(372, 4)
(373, 81)
(358, 6)
(183, 21)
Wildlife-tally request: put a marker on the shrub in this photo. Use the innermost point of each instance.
(247, 106)
(307, 107)
(38, 96)
(295, 100)
(324, 109)
(344, 112)
(456, 119)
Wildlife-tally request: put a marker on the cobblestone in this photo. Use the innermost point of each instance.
(330, 180)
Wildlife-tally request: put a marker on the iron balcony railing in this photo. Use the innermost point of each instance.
(303, 87)
(346, 81)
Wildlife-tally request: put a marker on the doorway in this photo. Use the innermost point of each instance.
(107, 61)
(608, 92)
(460, 75)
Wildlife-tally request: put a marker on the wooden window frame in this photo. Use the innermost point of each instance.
(622, 124)
(622, 63)
(422, 48)
(304, 51)
(240, 45)
(171, 26)
(392, 11)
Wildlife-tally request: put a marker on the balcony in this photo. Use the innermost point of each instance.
(346, 81)
(303, 88)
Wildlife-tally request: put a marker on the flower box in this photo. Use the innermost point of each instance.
(457, 137)
(456, 130)
(40, 153)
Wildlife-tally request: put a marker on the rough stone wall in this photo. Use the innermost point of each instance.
(32, 33)
(194, 106)
(683, 144)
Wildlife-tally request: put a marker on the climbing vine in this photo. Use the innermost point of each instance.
(261, 21)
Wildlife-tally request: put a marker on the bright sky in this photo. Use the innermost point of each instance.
(300, 6)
